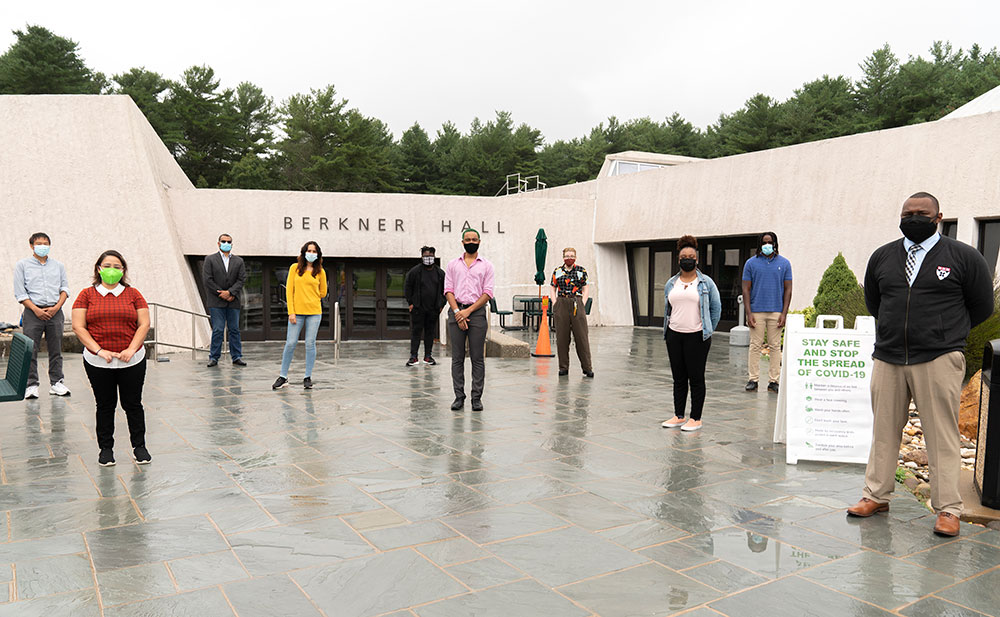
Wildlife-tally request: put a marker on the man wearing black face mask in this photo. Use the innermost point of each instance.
(468, 286)
(926, 292)
(424, 291)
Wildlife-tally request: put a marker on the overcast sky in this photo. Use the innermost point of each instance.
(560, 66)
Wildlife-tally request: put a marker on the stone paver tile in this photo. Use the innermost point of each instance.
(878, 533)
(565, 555)
(224, 499)
(448, 552)
(981, 593)
(75, 516)
(692, 514)
(374, 519)
(52, 575)
(642, 534)
(503, 523)
(273, 479)
(135, 584)
(269, 596)
(46, 547)
(81, 603)
(522, 598)
(241, 519)
(800, 537)
(526, 489)
(435, 501)
(590, 511)
(389, 538)
(792, 509)
(676, 555)
(650, 589)
(885, 581)
(376, 584)
(760, 554)
(936, 607)
(794, 597)
(206, 570)
(485, 573)
(134, 545)
(961, 559)
(739, 493)
(279, 549)
(991, 537)
(725, 576)
(192, 604)
(317, 502)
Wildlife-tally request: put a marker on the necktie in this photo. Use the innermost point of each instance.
(911, 262)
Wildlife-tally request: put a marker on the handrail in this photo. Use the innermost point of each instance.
(194, 330)
(336, 331)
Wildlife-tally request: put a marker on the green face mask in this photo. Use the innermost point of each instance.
(110, 276)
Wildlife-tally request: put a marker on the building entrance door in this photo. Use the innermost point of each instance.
(376, 307)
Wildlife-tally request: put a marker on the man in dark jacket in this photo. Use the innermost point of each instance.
(926, 292)
(224, 275)
(424, 291)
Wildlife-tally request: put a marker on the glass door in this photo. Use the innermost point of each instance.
(276, 308)
(362, 321)
(395, 318)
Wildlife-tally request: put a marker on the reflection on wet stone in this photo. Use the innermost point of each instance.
(368, 497)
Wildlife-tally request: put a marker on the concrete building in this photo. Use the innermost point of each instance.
(91, 172)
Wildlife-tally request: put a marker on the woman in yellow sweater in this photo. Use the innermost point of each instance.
(304, 291)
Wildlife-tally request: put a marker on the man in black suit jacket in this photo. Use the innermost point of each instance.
(424, 291)
(224, 275)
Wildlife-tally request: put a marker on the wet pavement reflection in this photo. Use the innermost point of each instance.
(367, 496)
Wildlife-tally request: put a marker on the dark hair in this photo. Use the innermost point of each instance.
(427, 249)
(687, 241)
(925, 195)
(37, 236)
(316, 265)
(774, 242)
(110, 253)
(221, 236)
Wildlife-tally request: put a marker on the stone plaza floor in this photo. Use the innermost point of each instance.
(367, 497)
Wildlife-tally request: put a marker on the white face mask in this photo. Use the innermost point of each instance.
(429, 260)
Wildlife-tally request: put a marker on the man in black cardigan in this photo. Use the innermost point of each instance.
(224, 275)
(926, 292)
(424, 291)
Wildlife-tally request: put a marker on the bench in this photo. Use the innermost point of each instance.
(16, 381)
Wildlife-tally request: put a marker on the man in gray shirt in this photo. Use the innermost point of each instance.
(40, 284)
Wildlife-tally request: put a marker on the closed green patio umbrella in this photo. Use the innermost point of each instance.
(541, 248)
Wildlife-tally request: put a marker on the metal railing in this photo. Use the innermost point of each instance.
(194, 330)
(336, 332)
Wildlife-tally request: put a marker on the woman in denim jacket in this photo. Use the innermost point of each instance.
(692, 309)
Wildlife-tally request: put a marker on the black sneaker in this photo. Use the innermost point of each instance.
(429, 360)
(279, 383)
(589, 374)
(239, 362)
(751, 386)
(413, 360)
(106, 458)
(773, 387)
(307, 383)
(141, 455)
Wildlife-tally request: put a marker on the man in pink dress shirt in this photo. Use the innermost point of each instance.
(468, 286)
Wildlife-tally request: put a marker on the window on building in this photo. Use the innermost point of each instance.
(950, 229)
(989, 241)
(621, 168)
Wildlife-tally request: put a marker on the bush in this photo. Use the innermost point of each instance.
(839, 293)
(982, 334)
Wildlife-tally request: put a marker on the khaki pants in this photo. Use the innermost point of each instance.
(766, 322)
(936, 388)
(567, 322)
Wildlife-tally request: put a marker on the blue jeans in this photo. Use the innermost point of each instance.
(311, 324)
(220, 318)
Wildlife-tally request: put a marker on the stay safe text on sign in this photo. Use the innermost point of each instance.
(824, 407)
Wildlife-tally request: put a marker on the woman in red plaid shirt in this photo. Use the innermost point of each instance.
(111, 319)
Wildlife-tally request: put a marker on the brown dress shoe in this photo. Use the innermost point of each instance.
(867, 507)
(947, 524)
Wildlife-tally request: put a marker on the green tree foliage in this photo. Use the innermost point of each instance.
(149, 91)
(417, 166)
(331, 148)
(40, 62)
(839, 293)
(255, 117)
(207, 124)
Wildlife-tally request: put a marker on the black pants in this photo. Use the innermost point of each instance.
(108, 385)
(688, 355)
(423, 325)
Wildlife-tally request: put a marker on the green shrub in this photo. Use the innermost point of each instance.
(982, 334)
(839, 293)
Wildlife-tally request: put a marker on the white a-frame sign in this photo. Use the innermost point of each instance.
(825, 397)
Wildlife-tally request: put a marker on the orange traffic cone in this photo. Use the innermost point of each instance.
(543, 348)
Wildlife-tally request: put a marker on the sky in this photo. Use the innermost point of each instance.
(560, 66)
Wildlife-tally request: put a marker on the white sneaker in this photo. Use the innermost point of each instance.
(31, 392)
(59, 389)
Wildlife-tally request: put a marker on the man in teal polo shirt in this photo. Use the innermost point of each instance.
(767, 292)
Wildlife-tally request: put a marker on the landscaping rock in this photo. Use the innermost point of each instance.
(918, 457)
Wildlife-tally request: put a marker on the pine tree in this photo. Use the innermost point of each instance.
(40, 62)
